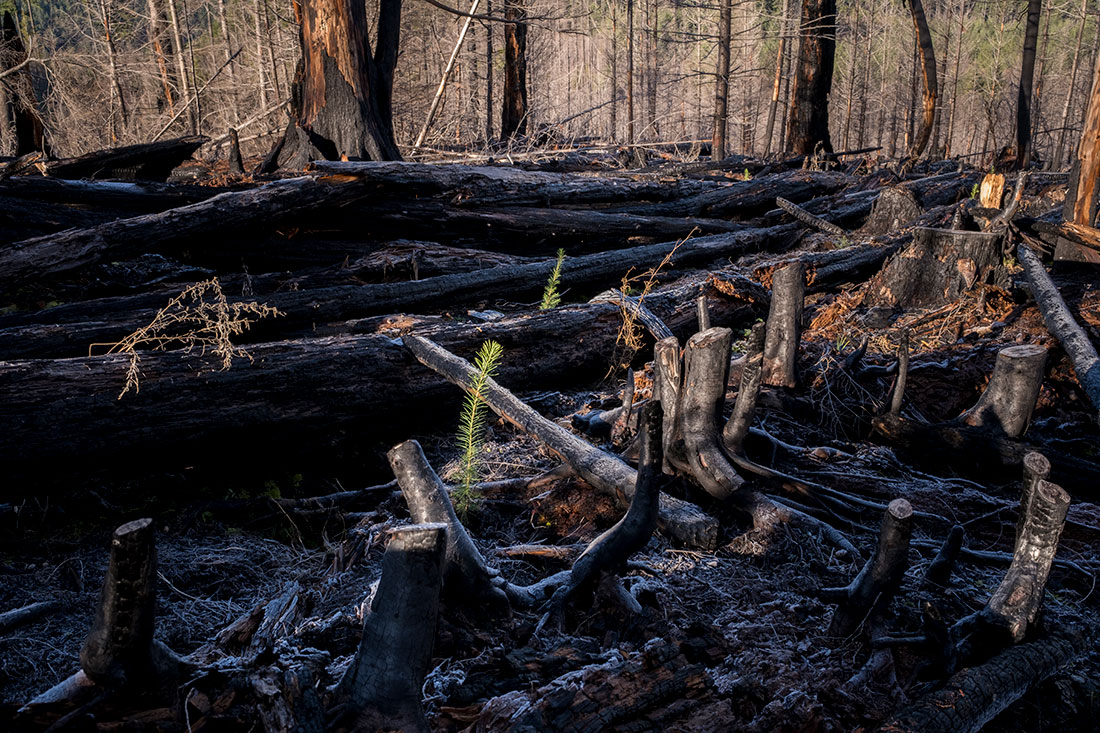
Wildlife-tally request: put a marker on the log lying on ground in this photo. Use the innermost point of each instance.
(871, 591)
(606, 473)
(975, 696)
(487, 186)
(25, 615)
(744, 199)
(67, 330)
(1061, 324)
(381, 690)
(815, 222)
(144, 162)
(466, 576)
(602, 696)
(226, 213)
(68, 407)
(1009, 399)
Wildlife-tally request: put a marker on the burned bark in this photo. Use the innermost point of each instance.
(929, 79)
(975, 696)
(808, 123)
(1009, 399)
(341, 102)
(465, 575)
(513, 108)
(737, 427)
(144, 162)
(938, 267)
(784, 330)
(871, 591)
(610, 551)
(1027, 79)
(381, 689)
(17, 97)
(1061, 324)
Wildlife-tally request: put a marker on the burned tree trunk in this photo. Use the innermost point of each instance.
(1027, 78)
(808, 124)
(513, 110)
(381, 690)
(784, 326)
(722, 83)
(341, 105)
(928, 75)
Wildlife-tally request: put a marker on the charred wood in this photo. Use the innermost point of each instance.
(784, 328)
(465, 574)
(1009, 398)
(145, 162)
(382, 687)
(1061, 324)
(871, 591)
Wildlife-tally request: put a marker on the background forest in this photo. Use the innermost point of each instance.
(115, 72)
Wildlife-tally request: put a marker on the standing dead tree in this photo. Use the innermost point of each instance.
(808, 124)
(513, 109)
(342, 105)
(929, 80)
(17, 97)
(1027, 78)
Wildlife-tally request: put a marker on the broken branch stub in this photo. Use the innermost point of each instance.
(784, 327)
(667, 375)
(465, 574)
(120, 651)
(1009, 399)
(874, 587)
(1015, 604)
(381, 690)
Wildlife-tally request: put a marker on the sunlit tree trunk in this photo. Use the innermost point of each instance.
(722, 82)
(1027, 77)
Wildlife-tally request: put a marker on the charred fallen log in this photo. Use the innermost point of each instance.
(55, 254)
(144, 162)
(976, 695)
(68, 330)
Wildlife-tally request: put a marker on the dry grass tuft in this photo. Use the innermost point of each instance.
(199, 317)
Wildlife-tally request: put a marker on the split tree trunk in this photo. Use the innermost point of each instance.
(29, 133)
(808, 124)
(1081, 205)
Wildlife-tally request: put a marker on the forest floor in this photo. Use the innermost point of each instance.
(737, 633)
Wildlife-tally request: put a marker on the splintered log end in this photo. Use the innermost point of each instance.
(1016, 602)
(784, 326)
(1036, 468)
(466, 575)
(120, 651)
(382, 687)
(1009, 399)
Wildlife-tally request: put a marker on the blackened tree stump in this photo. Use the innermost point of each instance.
(1009, 399)
(381, 690)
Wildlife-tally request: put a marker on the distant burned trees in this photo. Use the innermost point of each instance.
(808, 124)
